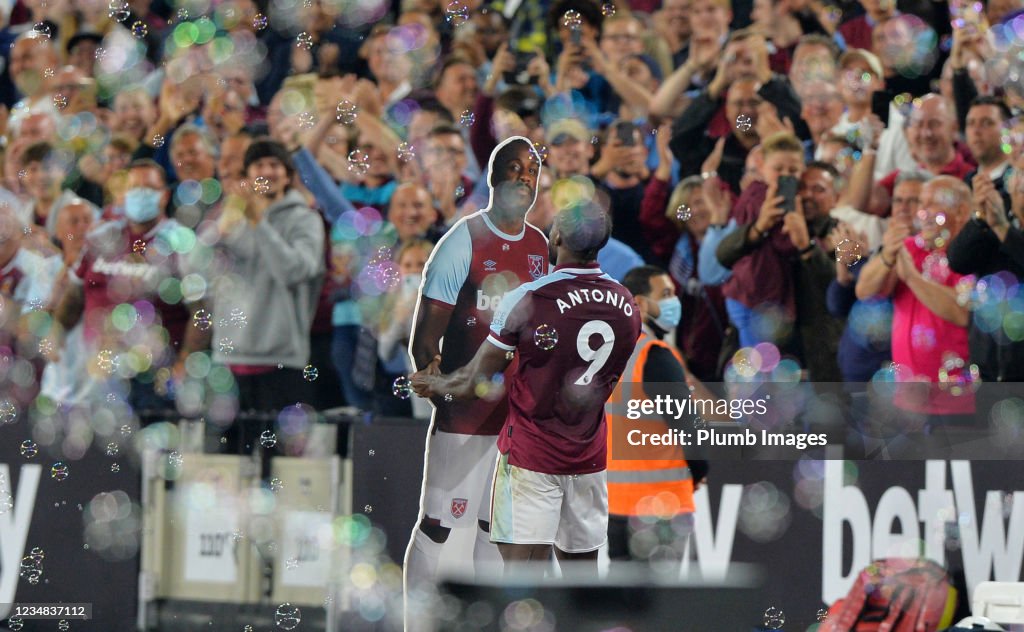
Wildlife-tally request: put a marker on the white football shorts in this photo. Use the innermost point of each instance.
(457, 486)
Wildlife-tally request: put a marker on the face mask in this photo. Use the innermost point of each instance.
(141, 205)
(411, 282)
(671, 311)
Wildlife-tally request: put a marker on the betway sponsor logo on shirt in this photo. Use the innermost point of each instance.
(143, 271)
(488, 302)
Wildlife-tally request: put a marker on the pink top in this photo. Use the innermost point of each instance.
(923, 341)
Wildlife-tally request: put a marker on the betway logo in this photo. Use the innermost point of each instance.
(984, 545)
(14, 524)
(486, 302)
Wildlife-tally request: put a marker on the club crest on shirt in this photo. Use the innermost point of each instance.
(536, 266)
(459, 507)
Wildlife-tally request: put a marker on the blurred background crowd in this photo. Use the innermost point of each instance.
(226, 206)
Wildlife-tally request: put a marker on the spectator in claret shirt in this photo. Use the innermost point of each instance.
(857, 31)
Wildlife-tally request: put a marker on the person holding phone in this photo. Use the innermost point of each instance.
(759, 295)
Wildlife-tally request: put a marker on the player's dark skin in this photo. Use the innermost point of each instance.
(515, 189)
(490, 359)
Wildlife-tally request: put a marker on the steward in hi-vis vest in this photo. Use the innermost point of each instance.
(650, 487)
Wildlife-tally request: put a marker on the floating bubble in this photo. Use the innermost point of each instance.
(310, 373)
(15, 624)
(113, 449)
(848, 252)
(60, 101)
(59, 472)
(304, 41)
(226, 346)
(456, 13)
(259, 22)
(744, 123)
(509, 355)
(43, 29)
(607, 9)
(139, 247)
(29, 449)
(45, 347)
(406, 152)
(402, 387)
(774, 618)
(459, 191)
(261, 185)
(175, 459)
(291, 563)
(158, 140)
(101, 53)
(106, 361)
(542, 151)
(358, 162)
(368, 509)
(504, 247)
(545, 337)
(467, 118)
(268, 439)
(287, 616)
(373, 452)
(202, 320)
(572, 19)
(700, 423)
(126, 431)
(118, 10)
(822, 614)
(181, 15)
(8, 412)
(448, 397)
(140, 30)
(238, 318)
(276, 484)
(63, 625)
(683, 213)
(307, 120)
(471, 321)
(347, 112)
(115, 468)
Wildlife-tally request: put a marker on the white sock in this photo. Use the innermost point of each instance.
(486, 557)
(420, 571)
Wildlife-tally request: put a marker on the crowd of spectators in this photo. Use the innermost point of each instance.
(227, 206)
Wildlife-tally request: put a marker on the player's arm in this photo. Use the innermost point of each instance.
(431, 322)
(489, 360)
(443, 277)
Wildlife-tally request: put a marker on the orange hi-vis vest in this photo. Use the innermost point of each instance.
(655, 480)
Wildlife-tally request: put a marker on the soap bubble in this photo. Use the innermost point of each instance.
(402, 387)
(448, 397)
(60, 101)
(307, 120)
(113, 449)
(774, 618)
(683, 213)
(744, 123)
(139, 247)
(115, 468)
(226, 346)
(287, 616)
(822, 614)
(467, 118)
(406, 152)
(304, 40)
(848, 252)
(29, 448)
(358, 162)
(118, 10)
(260, 22)
(545, 337)
(261, 185)
(140, 30)
(158, 140)
(310, 373)
(8, 412)
(268, 439)
(572, 19)
(43, 28)
(347, 112)
(456, 13)
(608, 9)
(59, 472)
(276, 484)
(201, 320)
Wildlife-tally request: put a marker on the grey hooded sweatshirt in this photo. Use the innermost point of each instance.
(265, 286)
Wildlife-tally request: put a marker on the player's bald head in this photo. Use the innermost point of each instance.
(583, 229)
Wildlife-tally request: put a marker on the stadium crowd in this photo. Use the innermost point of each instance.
(227, 207)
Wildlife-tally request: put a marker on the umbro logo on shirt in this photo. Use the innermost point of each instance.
(489, 265)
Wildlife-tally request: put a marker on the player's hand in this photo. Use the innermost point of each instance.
(434, 368)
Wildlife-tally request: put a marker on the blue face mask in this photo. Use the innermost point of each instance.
(670, 313)
(142, 205)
